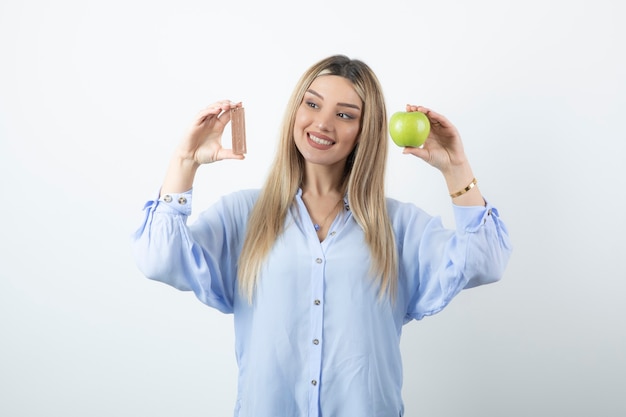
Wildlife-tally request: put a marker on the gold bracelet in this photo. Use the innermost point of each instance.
(464, 190)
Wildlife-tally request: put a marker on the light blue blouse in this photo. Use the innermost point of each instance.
(317, 340)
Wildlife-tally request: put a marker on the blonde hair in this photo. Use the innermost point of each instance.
(363, 180)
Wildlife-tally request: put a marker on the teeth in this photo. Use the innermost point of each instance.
(320, 141)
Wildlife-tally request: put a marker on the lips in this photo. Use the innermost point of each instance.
(320, 142)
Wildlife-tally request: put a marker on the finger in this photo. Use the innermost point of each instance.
(419, 152)
(436, 119)
(216, 109)
(226, 115)
(208, 113)
(228, 154)
(411, 107)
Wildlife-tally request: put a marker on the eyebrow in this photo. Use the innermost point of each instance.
(315, 93)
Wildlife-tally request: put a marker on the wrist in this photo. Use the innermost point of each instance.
(462, 188)
(458, 177)
(180, 175)
(184, 161)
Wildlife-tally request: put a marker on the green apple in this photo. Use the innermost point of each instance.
(409, 128)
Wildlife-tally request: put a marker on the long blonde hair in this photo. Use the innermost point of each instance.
(363, 180)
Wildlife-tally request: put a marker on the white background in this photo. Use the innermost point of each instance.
(94, 95)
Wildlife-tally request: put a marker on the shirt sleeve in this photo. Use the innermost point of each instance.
(199, 258)
(437, 263)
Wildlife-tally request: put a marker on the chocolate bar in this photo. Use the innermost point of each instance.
(238, 130)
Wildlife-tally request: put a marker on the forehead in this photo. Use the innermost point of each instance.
(335, 88)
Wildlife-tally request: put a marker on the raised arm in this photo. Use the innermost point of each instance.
(201, 145)
(198, 257)
(443, 150)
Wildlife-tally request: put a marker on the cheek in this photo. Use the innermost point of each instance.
(302, 117)
(299, 125)
(352, 133)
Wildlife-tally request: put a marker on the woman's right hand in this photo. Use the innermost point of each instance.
(203, 142)
(201, 145)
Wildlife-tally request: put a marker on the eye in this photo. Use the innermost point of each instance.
(345, 116)
(311, 104)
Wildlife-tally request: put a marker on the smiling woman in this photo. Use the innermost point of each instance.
(328, 120)
(318, 267)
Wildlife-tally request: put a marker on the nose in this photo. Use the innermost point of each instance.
(324, 121)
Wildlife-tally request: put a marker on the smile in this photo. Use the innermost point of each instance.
(320, 141)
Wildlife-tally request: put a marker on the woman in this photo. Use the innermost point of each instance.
(319, 268)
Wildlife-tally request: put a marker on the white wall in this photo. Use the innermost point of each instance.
(95, 95)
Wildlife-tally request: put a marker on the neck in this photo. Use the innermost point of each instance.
(322, 181)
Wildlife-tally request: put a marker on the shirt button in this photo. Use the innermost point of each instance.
(182, 200)
(333, 233)
(316, 342)
(318, 260)
(314, 382)
(167, 198)
(317, 302)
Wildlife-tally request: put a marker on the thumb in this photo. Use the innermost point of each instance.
(419, 152)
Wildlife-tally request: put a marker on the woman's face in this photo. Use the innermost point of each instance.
(328, 120)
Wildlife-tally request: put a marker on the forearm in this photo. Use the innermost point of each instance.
(458, 178)
(179, 176)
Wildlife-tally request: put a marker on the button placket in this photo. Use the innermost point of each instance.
(316, 320)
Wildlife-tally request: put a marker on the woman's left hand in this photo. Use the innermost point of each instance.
(443, 148)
